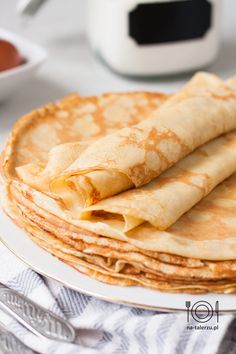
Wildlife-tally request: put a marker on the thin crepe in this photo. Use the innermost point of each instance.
(129, 269)
(162, 201)
(44, 142)
(198, 234)
(196, 254)
(134, 156)
(207, 231)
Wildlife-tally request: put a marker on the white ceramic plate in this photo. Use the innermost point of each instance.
(22, 246)
(34, 55)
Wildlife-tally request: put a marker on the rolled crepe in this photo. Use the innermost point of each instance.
(164, 200)
(134, 156)
(160, 202)
(45, 142)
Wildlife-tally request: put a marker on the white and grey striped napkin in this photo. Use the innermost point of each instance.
(104, 327)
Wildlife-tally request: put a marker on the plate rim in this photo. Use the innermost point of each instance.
(111, 299)
(91, 293)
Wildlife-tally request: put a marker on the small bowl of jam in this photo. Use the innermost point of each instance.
(10, 56)
(19, 60)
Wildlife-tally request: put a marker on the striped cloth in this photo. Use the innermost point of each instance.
(104, 327)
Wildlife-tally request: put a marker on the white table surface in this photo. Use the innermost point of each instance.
(71, 66)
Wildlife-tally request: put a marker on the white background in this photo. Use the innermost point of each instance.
(60, 28)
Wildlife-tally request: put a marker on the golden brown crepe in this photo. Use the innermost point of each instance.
(74, 120)
(206, 231)
(196, 254)
(133, 156)
(125, 265)
(175, 191)
(171, 195)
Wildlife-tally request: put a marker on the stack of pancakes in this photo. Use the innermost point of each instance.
(132, 188)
